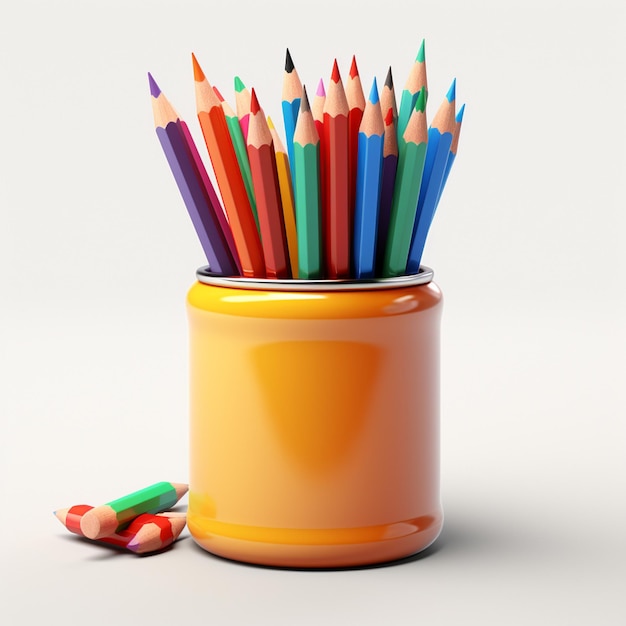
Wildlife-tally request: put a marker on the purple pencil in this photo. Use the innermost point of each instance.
(387, 184)
(211, 194)
(202, 205)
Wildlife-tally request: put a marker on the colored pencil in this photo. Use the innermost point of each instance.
(242, 104)
(229, 178)
(239, 143)
(415, 83)
(286, 197)
(291, 96)
(388, 97)
(146, 533)
(439, 142)
(267, 192)
(356, 106)
(368, 186)
(194, 185)
(306, 148)
(454, 146)
(411, 160)
(390, 165)
(111, 517)
(317, 109)
(336, 202)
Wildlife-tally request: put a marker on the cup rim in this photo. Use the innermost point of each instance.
(423, 277)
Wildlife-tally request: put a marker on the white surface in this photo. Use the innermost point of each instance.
(98, 252)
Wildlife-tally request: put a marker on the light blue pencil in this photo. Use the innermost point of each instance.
(439, 142)
(453, 150)
(291, 98)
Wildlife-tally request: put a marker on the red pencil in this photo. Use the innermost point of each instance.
(337, 176)
(356, 106)
(145, 533)
(229, 178)
(267, 193)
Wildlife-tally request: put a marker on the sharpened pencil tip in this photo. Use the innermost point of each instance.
(451, 95)
(320, 88)
(198, 74)
(155, 92)
(354, 70)
(304, 103)
(289, 66)
(335, 76)
(459, 115)
(270, 124)
(255, 107)
(373, 97)
(421, 55)
(389, 117)
(220, 97)
(389, 79)
(239, 86)
(420, 103)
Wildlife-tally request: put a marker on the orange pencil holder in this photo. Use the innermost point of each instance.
(314, 432)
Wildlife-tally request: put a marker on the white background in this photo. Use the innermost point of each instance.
(97, 253)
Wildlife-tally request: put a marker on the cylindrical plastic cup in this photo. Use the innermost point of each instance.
(314, 432)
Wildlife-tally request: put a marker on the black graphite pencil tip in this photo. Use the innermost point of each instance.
(389, 79)
(289, 66)
(304, 103)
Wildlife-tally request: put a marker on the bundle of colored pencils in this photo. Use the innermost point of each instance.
(350, 193)
(139, 522)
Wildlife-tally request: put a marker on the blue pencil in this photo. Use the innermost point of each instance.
(368, 186)
(291, 98)
(439, 142)
(453, 149)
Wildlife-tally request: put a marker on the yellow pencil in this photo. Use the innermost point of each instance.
(286, 195)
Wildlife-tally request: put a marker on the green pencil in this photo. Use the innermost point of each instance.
(104, 520)
(414, 85)
(306, 154)
(411, 159)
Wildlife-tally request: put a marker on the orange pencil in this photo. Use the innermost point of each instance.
(337, 176)
(267, 193)
(356, 106)
(228, 175)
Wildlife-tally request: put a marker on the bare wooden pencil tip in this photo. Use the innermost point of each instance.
(99, 522)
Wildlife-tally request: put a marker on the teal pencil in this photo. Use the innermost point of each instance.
(306, 152)
(415, 83)
(439, 142)
(411, 160)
